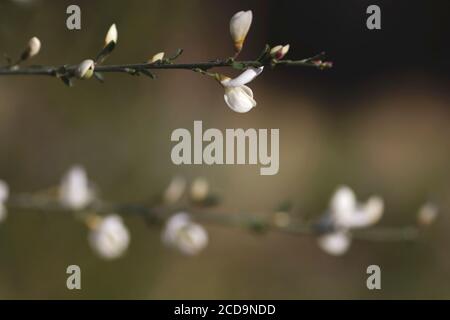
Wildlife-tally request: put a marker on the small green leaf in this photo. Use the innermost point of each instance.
(238, 65)
(264, 54)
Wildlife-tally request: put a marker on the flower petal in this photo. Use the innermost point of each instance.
(245, 77)
(336, 243)
(239, 99)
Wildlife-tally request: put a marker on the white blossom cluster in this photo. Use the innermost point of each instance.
(109, 237)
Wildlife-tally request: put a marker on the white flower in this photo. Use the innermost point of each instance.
(157, 57)
(347, 213)
(85, 69)
(239, 99)
(237, 95)
(335, 243)
(4, 194)
(74, 191)
(239, 26)
(278, 52)
(188, 237)
(245, 77)
(112, 35)
(109, 237)
(199, 189)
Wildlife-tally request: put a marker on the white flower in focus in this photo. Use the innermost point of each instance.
(4, 194)
(157, 57)
(199, 189)
(109, 238)
(239, 99)
(237, 95)
(245, 77)
(181, 233)
(278, 52)
(335, 243)
(347, 213)
(112, 35)
(74, 191)
(239, 26)
(85, 69)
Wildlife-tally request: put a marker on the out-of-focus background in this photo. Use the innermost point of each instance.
(378, 121)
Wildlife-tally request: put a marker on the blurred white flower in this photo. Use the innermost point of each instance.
(175, 190)
(74, 191)
(111, 35)
(335, 243)
(188, 237)
(199, 189)
(4, 194)
(85, 69)
(278, 52)
(157, 57)
(109, 238)
(347, 213)
(427, 214)
(237, 95)
(239, 26)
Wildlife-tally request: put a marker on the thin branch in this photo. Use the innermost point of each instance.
(126, 68)
(158, 214)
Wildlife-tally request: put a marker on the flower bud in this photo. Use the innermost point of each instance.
(199, 189)
(112, 35)
(74, 191)
(279, 52)
(85, 69)
(33, 48)
(175, 190)
(239, 26)
(157, 57)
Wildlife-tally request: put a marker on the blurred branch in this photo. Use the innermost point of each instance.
(159, 213)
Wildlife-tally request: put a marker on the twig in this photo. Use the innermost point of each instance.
(158, 214)
(126, 68)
